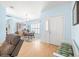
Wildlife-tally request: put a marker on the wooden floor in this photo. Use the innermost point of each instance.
(36, 49)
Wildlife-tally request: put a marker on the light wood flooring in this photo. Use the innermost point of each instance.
(36, 48)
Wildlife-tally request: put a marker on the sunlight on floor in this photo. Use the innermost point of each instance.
(37, 44)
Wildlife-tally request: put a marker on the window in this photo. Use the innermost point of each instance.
(35, 27)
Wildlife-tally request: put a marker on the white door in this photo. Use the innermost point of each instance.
(56, 29)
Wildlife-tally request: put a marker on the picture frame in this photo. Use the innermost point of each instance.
(75, 14)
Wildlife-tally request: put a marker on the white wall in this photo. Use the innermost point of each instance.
(75, 37)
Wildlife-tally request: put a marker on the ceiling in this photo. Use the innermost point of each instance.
(29, 9)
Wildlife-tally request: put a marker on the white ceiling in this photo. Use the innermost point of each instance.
(29, 9)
